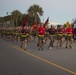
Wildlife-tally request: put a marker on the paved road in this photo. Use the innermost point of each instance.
(16, 61)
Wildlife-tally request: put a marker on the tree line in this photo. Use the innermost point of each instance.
(34, 12)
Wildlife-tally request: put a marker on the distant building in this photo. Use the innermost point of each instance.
(53, 23)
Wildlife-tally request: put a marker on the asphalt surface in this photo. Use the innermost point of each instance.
(15, 61)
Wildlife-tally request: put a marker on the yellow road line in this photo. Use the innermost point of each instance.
(49, 62)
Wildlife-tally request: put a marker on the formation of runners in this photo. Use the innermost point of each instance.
(42, 33)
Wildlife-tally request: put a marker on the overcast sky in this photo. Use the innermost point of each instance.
(59, 11)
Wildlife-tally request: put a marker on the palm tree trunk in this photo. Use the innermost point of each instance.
(36, 18)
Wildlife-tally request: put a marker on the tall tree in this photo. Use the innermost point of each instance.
(1, 19)
(74, 21)
(35, 11)
(16, 15)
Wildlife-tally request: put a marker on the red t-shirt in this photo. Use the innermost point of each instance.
(69, 30)
(41, 30)
(63, 30)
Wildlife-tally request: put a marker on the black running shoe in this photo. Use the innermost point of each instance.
(38, 44)
(70, 46)
(39, 49)
(21, 46)
(42, 48)
(25, 49)
(66, 47)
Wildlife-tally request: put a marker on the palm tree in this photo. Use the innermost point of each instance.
(35, 11)
(16, 15)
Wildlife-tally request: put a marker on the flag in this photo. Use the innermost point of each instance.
(25, 21)
(67, 24)
(46, 22)
(34, 26)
